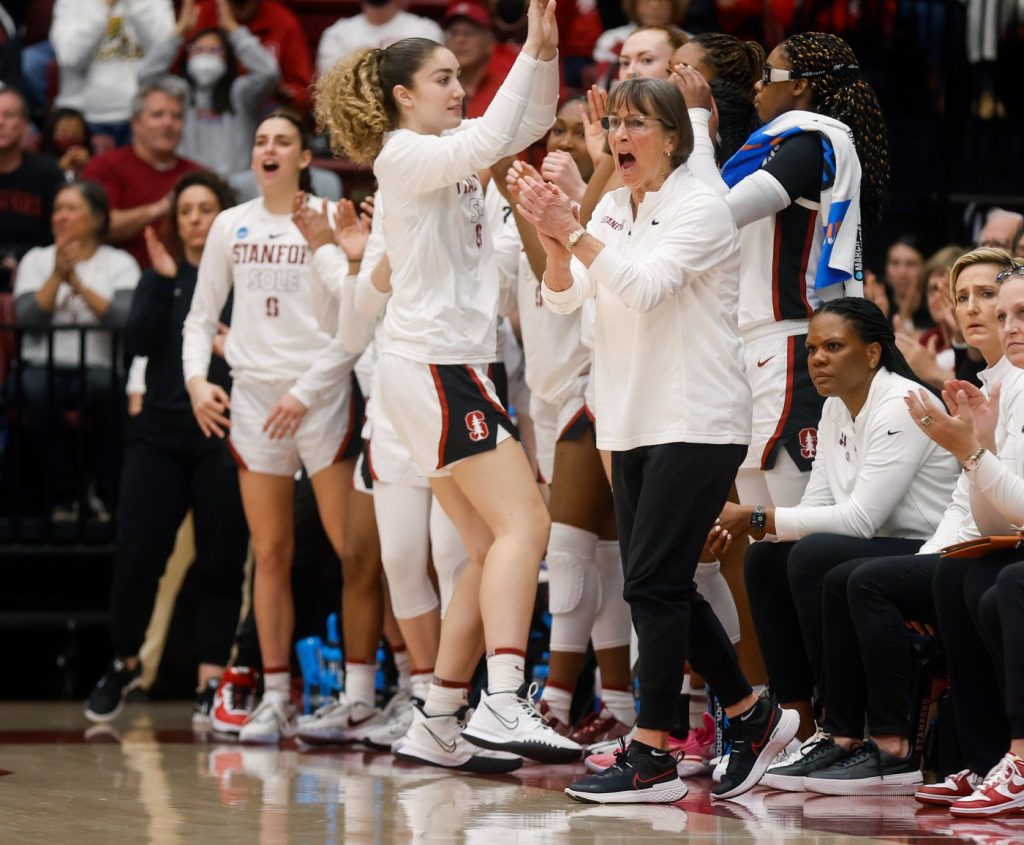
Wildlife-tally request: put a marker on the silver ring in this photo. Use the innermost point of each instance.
(926, 420)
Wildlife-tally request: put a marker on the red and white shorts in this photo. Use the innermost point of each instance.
(554, 423)
(442, 413)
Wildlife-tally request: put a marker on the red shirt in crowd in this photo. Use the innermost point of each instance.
(131, 182)
(280, 32)
(502, 59)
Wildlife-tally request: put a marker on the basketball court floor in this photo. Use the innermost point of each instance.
(148, 779)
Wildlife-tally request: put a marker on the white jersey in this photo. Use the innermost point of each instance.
(347, 35)
(285, 310)
(667, 357)
(557, 363)
(874, 476)
(445, 302)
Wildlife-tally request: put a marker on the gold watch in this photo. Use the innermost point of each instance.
(574, 238)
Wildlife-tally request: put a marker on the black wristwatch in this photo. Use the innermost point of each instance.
(758, 519)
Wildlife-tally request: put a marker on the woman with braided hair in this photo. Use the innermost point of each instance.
(733, 68)
(797, 189)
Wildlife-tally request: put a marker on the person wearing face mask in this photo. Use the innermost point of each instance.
(380, 24)
(224, 108)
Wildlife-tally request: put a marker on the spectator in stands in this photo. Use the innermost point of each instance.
(277, 28)
(1018, 240)
(221, 117)
(98, 44)
(380, 24)
(877, 290)
(483, 62)
(138, 178)
(66, 137)
(10, 52)
(169, 467)
(999, 229)
(931, 355)
(27, 186)
(640, 13)
(78, 281)
(904, 265)
(579, 27)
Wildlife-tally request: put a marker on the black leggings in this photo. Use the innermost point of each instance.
(785, 585)
(868, 649)
(981, 724)
(1002, 619)
(160, 481)
(666, 500)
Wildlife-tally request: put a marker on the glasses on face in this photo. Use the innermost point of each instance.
(631, 122)
(1012, 270)
(771, 74)
(205, 50)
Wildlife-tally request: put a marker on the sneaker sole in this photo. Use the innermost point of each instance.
(538, 752)
(782, 783)
(225, 728)
(893, 786)
(1008, 809)
(474, 765)
(784, 731)
(102, 718)
(665, 794)
(937, 800)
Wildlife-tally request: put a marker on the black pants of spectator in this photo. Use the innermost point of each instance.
(667, 498)
(785, 583)
(1002, 619)
(981, 723)
(90, 392)
(868, 649)
(167, 470)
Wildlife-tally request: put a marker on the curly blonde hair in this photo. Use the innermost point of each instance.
(354, 99)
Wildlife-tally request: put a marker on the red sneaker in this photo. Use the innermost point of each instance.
(552, 720)
(234, 700)
(1001, 793)
(953, 788)
(599, 727)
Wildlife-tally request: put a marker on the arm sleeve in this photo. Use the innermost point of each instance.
(212, 288)
(28, 313)
(695, 238)
(119, 308)
(30, 276)
(1000, 487)
(76, 32)
(702, 160)
(251, 90)
(325, 373)
(956, 518)
(136, 382)
(152, 20)
(158, 58)
(125, 270)
(885, 475)
(423, 163)
(566, 301)
(150, 314)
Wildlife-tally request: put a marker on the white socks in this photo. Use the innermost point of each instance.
(621, 704)
(506, 670)
(277, 686)
(559, 702)
(401, 657)
(442, 701)
(419, 684)
(360, 683)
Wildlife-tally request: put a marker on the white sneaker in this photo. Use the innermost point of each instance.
(438, 741)
(397, 718)
(339, 722)
(269, 723)
(511, 721)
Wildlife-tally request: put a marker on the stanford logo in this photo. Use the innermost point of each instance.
(476, 425)
(808, 442)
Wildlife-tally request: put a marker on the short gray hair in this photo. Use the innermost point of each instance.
(172, 86)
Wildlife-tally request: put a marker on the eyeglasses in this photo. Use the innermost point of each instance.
(632, 122)
(1012, 270)
(198, 50)
(771, 74)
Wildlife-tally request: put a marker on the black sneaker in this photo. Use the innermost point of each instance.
(756, 742)
(868, 770)
(639, 775)
(787, 774)
(203, 707)
(107, 697)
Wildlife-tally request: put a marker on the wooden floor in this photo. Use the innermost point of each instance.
(149, 779)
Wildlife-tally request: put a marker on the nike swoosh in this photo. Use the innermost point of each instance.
(355, 723)
(508, 724)
(893, 432)
(277, 235)
(638, 780)
(655, 222)
(765, 361)
(447, 746)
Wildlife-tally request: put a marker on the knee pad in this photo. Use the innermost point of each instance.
(403, 525)
(712, 585)
(448, 551)
(613, 624)
(572, 587)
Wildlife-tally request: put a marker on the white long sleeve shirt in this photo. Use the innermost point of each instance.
(284, 316)
(873, 476)
(347, 35)
(445, 293)
(996, 486)
(668, 360)
(98, 48)
(957, 525)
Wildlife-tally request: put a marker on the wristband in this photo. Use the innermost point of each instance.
(758, 519)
